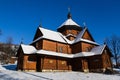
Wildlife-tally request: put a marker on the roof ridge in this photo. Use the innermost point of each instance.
(82, 32)
(47, 29)
(69, 21)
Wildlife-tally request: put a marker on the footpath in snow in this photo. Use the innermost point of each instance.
(10, 74)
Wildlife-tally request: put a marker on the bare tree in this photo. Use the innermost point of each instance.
(113, 44)
(9, 40)
(8, 47)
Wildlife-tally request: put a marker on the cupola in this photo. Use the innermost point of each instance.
(69, 28)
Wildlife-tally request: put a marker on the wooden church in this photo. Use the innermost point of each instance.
(70, 48)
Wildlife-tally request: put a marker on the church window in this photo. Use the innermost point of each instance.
(96, 60)
(37, 45)
(69, 31)
(63, 62)
(61, 49)
(50, 61)
(31, 58)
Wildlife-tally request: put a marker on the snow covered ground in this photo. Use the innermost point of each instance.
(10, 74)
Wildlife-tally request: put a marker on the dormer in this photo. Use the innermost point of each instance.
(69, 28)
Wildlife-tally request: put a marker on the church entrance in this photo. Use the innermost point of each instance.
(76, 64)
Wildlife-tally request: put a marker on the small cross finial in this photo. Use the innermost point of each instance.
(40, 25)
(69, 16)
(84, 24)
(21, 41)
(68, 9)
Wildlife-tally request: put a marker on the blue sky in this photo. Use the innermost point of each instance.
(20, 18)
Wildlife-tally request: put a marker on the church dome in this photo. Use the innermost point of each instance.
(69, 24)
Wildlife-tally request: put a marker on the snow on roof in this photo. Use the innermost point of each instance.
(79, 38)
(56, 36)
(37, 39)
(83, 54)
(80, 34)
(69, 22)
(88, 41)
(67, 41)
(98, 49)
(45, 52)
(52, 35)
(70, 35)
(28, 49)
(80, 54)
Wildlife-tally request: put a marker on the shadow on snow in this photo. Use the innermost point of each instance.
(38, 76)
(10, 66)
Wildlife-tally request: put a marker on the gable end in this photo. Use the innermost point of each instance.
(37, 34)
(87, 36)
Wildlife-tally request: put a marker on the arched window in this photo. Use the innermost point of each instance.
(61, 49)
